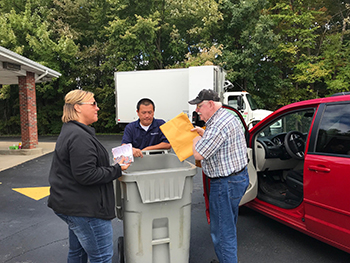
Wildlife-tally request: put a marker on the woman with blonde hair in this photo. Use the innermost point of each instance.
(81, 180)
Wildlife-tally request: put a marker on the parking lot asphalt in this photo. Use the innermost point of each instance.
(31, 233)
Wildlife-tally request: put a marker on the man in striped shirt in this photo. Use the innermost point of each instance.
(222, 150)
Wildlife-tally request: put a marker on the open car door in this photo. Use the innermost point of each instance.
(252, 189)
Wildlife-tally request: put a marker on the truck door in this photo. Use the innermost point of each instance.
(327, 174)
(241, 103)
(237, 102)
(252, 190)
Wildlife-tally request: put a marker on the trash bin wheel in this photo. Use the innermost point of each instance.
(121, 250)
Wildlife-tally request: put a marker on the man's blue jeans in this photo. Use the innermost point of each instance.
(89, 238)
(225, 195)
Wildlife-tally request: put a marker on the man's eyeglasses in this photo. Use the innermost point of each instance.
(201, 104)
(90, 103)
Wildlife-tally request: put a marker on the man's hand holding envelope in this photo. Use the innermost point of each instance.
(180, 133)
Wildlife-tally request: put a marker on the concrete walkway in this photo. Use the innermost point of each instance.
(10, 158)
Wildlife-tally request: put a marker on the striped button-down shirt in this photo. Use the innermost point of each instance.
(223, 145)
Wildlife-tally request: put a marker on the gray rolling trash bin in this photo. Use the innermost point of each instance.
(154, 202)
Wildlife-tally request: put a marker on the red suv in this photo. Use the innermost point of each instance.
(299, 168)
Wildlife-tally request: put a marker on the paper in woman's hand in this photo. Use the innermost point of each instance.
(123, 154)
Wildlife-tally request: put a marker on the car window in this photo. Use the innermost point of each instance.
(334, 131)
(232, 102)
(296, 121)
(252, 102)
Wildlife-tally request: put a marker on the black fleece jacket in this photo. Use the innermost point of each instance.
(81, 177)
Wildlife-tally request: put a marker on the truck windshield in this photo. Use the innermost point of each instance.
(252, 102)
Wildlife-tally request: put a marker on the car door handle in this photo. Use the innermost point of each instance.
(319, 169)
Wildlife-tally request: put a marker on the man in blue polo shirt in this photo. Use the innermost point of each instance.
(145, 134)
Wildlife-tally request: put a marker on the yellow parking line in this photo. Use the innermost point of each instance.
(35, 193)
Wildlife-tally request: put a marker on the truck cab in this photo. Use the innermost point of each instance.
(246, 105)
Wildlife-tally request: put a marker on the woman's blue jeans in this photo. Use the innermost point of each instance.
(225, 195)
(89, 238)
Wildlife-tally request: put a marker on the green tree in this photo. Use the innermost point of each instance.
(280, 51)
(247, 35)
(25, 29)
(155, 34)
(313, 47)
(86, 22)
(335, 48)
(296, 52)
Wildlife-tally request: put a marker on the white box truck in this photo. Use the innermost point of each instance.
(171, 89)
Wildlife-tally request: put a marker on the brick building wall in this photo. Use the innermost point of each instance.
(27, 101)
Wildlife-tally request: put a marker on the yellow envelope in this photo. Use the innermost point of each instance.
(178, 132)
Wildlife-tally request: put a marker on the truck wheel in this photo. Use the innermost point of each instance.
(121, 250)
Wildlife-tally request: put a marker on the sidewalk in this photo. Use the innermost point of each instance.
(11, 158)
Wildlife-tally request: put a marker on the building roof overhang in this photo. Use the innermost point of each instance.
(13, 65)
